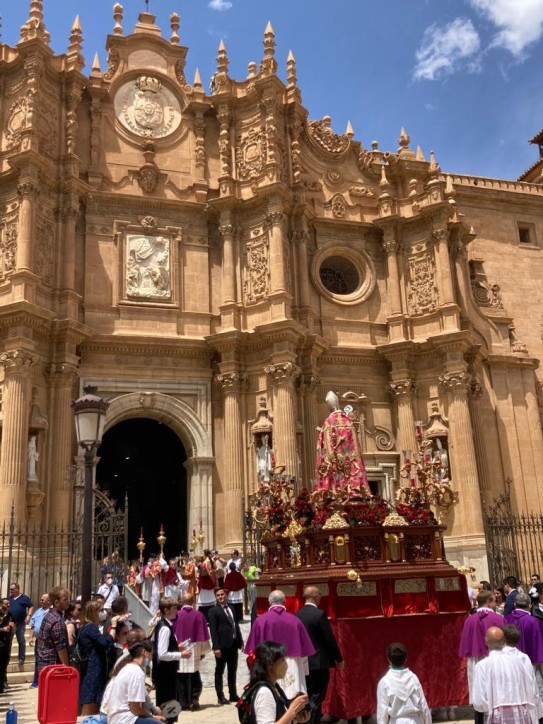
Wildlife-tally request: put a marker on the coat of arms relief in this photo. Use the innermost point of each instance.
(147, 108)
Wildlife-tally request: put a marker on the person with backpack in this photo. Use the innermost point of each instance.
(96, 650)
(263, 701)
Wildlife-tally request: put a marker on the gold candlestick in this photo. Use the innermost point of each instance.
(161, 540)
(141, 545)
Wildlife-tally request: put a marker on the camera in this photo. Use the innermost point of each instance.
(312, 704)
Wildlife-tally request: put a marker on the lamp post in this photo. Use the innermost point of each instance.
(90, 416)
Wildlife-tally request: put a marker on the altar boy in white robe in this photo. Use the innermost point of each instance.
(399, 693)
(504, 689)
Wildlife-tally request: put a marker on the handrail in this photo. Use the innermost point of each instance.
(140, 612)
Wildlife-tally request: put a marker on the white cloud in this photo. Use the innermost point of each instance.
(446, 48)
(520, 22)
(220, 4)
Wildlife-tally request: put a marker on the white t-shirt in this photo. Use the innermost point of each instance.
(128, 685)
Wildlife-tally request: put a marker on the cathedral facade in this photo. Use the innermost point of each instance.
(218, 262)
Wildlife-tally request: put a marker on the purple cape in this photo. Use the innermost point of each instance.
(472, 642)
(531, 634)
(190, 624)
(282, 627)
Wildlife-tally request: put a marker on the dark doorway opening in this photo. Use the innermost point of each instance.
(143, 459)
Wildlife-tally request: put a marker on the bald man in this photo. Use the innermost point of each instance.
(327, 654)
(503, 688)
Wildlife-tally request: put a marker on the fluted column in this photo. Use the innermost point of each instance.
(475, 397)
(228, 265)
(533, 432)
(441, 236)
(61, 447)
(28, 192)
(403, 391)
(283, 376)
(69, 216)
(308, 387)
(275, 222)
(468, 517)
(390, 246)
(17, 366)
(231, 383)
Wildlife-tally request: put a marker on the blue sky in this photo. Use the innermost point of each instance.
(460, 75)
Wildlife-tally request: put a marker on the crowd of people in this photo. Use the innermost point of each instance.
(289, 655)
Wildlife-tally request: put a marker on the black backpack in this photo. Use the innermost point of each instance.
(245, 702)
(77, 659)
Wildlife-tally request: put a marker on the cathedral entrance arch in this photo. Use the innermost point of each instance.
(176, 429)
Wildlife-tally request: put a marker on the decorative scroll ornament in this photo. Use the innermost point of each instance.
(147, 272)
(256, 282)
(8, 244)
(19, 117)
(322, 135)
(44, 252)
(516, 344)
(422, 296)
(336, 520)
(251, 153)
(394, 519)
(147, 108)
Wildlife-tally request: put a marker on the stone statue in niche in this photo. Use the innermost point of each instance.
(265, 460)
(33, 457)
(441, 462)
(147, 272)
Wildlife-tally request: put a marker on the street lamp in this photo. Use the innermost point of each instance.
(90, 416)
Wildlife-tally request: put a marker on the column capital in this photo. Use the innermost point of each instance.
(299, 236)
(282, 373)
(62, 374)
(402, 388)
(440, 234)
(390, 245)
(231, 381)
(476, 389)
(28, 190)
(308, 382)
(18, 360)
(68, 213)
(227, 231)
(275, 218)
(456, 381)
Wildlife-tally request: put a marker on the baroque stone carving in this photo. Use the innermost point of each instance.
(361, 191)
(19, 116)
(256, 270)
(147, 108)
(113, 60)
(148, 177)
(282, 372)
(251, 153)
(147, 267)
(422, 296)
(324, 137)
(45, 251)
(516, 344)
(17, 360)
(8, 244)
(402, 388)
(231, 381)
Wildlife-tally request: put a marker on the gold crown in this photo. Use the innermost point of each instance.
(147, 83)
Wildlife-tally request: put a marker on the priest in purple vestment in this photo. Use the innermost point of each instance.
(472, 644)
(530, 627)
(191, 624)
(284, 628)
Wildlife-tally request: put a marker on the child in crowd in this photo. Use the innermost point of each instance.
(399, 693)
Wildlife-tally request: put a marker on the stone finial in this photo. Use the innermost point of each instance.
(96, 65)
(175, 24)
(291, 70)
(76, 40)
(251, 70)
(349, 131)
(222, 59)
(403, 140)
(118, 14)
(449, 187)
(384, 183)
(434, 166)
(268, 66)
(419, 154)
(375, 145)
(34, 26)
(197, 83)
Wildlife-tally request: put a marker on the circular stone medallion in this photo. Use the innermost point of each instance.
(146, 107)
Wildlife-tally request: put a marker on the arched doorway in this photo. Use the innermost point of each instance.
(145, 460)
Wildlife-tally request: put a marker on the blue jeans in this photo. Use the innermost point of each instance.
(145, 720)
(20, 634)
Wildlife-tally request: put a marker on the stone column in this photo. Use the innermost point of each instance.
(229, 307)
(306, 314)
(391, 246)
(231, 383)
(17, 366)
(468, 515)
(403, 391)
(61, 444)
(475, 401)
(441, 236)
(69, 216)
(200, 497)
(536, 436)
(275, 222)
(28, 192)
(308, 387)
(283, 375)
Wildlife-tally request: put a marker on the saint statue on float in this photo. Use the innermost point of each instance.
(339, 452)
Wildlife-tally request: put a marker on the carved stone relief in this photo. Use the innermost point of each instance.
(322, 135)
(484, 293)
(251, 153)
(422, 296)
(8, 244)
(147, 108)
(256, 270)
(18, 119)
(147, 267)
(45, 251)
(48, 125)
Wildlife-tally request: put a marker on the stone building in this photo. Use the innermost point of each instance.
(217, 261)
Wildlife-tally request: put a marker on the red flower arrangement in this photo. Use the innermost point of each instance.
(278, 517)
(303, 510)
(371, 511)
(416, 514)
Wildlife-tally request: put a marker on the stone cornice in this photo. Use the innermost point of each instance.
(505, 360)
(148, 347)
(26, 314)
(485, 184)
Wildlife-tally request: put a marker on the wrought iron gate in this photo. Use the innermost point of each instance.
(252, 537)
(514, 541)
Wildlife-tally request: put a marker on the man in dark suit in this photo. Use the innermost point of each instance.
(226, 641)
(327, 653)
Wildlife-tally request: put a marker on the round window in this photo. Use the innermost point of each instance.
(339, 275)
(344, 275)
